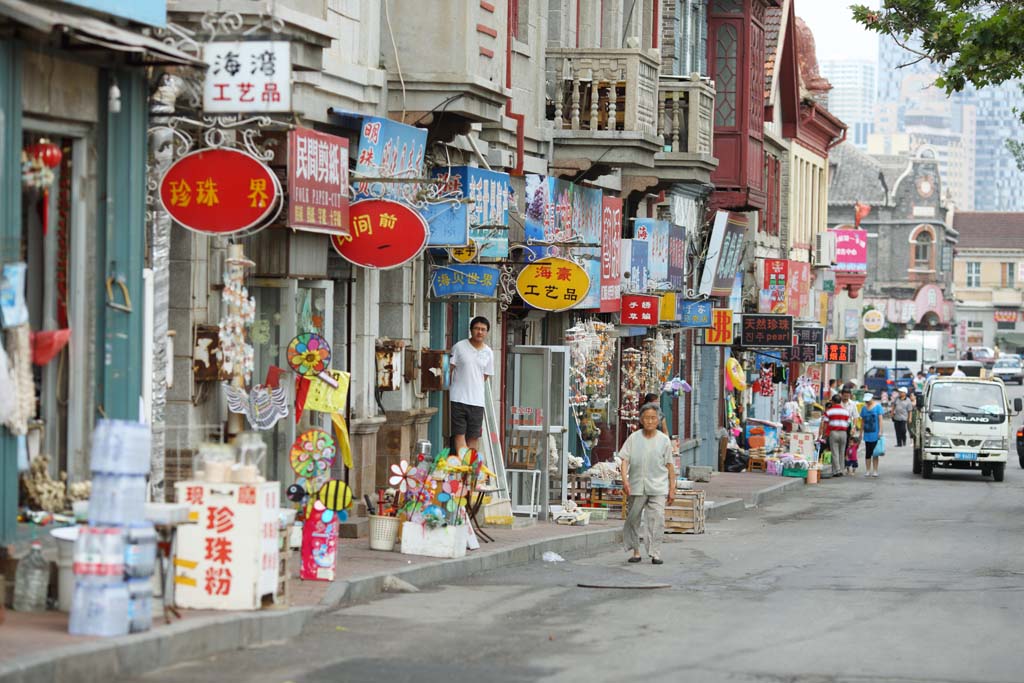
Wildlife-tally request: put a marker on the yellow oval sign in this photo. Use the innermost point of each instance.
(463, 254)
(873, 320)
(553, 284)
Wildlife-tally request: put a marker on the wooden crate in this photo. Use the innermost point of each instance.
(686, 515)
(578, 489)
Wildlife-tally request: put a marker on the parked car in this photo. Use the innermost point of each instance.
(887, 378)
(1009, 370)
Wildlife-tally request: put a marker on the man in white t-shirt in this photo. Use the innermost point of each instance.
(472, 364)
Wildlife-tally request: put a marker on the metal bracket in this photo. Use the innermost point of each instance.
(126, 307)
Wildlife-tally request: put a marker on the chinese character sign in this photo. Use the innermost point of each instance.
(851, 250)
(586, 225)
(220, 191)
(247, 77)
(552, 284)
(840, 352)
(676, 256)
(474, 203)
(812, 336)
(720, 332)
(725, 251)
(771, 331)
(457, 279)
(697, 314)
(774, 287)
(634, 261)
(389, 149)
(656, 234)
(317, 181)
(611, 254)
(382, 234)
(640, 309)
(799, 289)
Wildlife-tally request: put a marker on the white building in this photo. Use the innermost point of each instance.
(852, 97)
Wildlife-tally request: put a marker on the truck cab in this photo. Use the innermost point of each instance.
(963, 423)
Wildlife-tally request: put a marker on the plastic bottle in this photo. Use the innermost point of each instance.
(32, 581)
(140, 550)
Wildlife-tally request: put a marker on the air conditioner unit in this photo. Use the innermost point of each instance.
(824, 249)
(500, 158)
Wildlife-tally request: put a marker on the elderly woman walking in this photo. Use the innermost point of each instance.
(648, 480)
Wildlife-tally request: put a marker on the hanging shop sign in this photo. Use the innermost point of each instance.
(462, 254)
(552, 284)
(813, 336)
(798, 294)
(389, 149)
(461, 280)
(840, 352)
(851, 250)
(656, 234)
(873, 320)
(669, 311)
(696, 314)
(640, 309)
(774, 287)
(611, 254)
(724, 252)
(634, 260)
(220, 192)
(317, 181)
(472, 204)
(721, 331)
(251, 76)
(587, 212)
(1005, 316)
(676, 256)
(383, 234)
(766, 331)
(800, 353)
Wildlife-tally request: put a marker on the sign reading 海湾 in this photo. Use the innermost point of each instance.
(250, 76)
(552, 284)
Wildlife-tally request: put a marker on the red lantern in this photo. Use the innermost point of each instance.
(46, 153)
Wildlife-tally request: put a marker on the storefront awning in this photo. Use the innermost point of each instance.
(82, 28)
(1015, 339)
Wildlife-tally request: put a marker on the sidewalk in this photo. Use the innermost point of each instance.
(36, 647)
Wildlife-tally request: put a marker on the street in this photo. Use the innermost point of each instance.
(894, 578)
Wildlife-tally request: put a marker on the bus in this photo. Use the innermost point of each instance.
(916, 350)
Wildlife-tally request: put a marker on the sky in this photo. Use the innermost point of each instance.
(836, 34)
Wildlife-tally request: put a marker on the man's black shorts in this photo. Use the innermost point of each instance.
(467, 419)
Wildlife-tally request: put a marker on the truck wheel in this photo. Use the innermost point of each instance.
(998, 471)
(985, 471)
(926, 469)
(917, 461)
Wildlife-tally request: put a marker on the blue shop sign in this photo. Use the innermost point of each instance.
(656, 234)
(484, 217)
(389, 149)
(465, 279)
(695, 313)
(152, 12)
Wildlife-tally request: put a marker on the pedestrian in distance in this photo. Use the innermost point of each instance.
(649, 482)
(901, 409)
(837, 422)
(472, 364)
(854, 433)
(871, 424)
(663, 424)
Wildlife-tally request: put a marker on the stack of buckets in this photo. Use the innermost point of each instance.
(115, 555)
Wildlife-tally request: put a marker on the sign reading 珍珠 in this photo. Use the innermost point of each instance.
(462, 280)
(766, 331)
(383, 234)
(317, 181)
(552, 284)
(251, 76)
(220, 191)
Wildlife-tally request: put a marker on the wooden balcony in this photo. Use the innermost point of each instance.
(603, 106)
(686, 105)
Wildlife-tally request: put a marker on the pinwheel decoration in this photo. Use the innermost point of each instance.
(402, 477)
(453, 495)
(312, 454)
(309, 355)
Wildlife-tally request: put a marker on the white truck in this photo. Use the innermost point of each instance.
(963, 423)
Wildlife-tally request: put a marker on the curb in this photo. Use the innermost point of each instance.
(778, 491)
(727, 507)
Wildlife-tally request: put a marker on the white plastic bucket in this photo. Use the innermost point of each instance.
(66, 537)
(383, 532)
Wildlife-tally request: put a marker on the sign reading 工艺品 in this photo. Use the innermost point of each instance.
(247, 77)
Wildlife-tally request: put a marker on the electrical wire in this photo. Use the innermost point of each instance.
(398, 64)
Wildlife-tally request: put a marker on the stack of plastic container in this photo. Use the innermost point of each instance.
(116, 554)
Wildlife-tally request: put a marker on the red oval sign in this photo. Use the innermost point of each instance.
(383, 234)
(220, 191)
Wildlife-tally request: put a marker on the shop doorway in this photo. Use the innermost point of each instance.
(53, 246)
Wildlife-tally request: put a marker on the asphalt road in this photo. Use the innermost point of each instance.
(887, 579)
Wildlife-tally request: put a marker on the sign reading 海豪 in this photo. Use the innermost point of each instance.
(220, 191)
(766, 331)
(317, 181)
(552, 284)
(247, 76)
(640, 309)
(461, 280)
(383, 234)
(840, 352)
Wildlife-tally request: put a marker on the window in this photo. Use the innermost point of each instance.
(1006, 325)
(726, 46)
(520, 11)
(698, 39)
(974, 274)
(1008, 274)
(923, 251)
(773, 186)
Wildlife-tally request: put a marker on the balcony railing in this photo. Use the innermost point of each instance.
(685, 109)
(594, 89)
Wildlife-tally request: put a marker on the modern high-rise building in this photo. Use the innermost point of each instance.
(998, 182)
(852, 97)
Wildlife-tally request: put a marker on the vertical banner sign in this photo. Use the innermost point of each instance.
(851, 250)
(611, 254)
(640, 309)
(656, 234)
(634, 260)
(724, 252)
(824, 302)
(317, 182)
(586, 224)
(799, 289)
(676, 256)
(766, 331)
(851, 323)
(720, 332)
(247, 77)
(388, 149)
(774, 287)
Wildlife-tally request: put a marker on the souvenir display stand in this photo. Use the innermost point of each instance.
(592, 357)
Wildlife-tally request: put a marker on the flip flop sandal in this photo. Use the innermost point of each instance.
(634, 560)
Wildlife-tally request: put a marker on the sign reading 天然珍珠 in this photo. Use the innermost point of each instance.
(250, 76)
(766, 331)
(464, 279)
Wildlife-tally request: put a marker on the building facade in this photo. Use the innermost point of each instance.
(852, 97)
